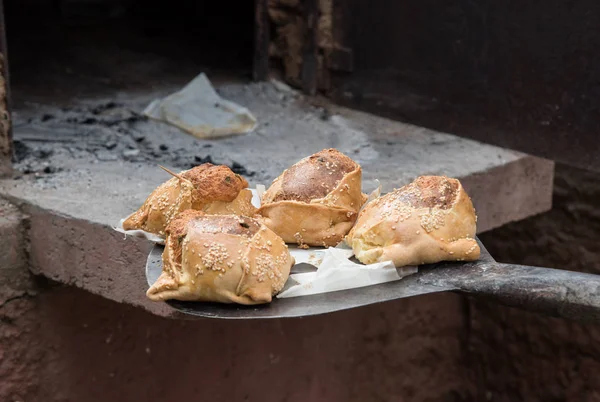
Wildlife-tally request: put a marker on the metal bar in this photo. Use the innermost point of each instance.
(6, 146)
(554, 292)
(309, 56)
(261, 41)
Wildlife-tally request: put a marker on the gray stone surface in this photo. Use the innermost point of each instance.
(86, 150)
(15, 279)
(74, 195)
(17, 294)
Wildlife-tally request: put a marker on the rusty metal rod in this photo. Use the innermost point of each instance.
(554, 292)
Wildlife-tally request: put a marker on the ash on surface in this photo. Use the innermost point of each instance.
(109, 134)
(51, 138)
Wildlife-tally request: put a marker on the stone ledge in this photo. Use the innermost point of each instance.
(511, 192)
(71, 212)
(92, 256)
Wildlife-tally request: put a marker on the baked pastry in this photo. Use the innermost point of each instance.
(221, 258)
(316, 201)
(209, 188)
(430, 220)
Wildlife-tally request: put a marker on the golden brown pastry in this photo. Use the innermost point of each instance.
(209, 188)
(316, 201)
(430, 220)
(221, 258)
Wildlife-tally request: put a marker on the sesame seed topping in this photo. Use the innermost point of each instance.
(473, 247)
(215, 257)
(433, 220)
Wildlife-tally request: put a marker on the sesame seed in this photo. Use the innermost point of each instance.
(433, 220)
(215, 257)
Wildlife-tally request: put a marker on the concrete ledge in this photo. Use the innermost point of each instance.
(15, 279)
(511, 192)
(71, 212)
(90, 256)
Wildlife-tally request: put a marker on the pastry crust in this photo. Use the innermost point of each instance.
(430, 220)
(316, 201)
(221, 258)
(209, 188)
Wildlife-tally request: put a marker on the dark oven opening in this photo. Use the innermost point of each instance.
(61, 50)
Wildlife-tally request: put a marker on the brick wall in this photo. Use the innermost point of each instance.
(518, 356)
(80, 347)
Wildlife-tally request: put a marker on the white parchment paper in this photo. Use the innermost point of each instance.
(336, 270)
(154, 238)
(198, 110)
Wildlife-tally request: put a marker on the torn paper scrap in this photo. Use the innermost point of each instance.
(338, 272)
(139, 233)
(198, 110)
(373, 195)
(257, 194)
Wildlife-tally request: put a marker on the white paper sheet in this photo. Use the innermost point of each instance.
(198, 110)
(138, 233)
(336, 271)
(374, 194)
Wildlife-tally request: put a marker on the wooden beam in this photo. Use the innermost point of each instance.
(310, 54)
(6, 146)
(261, 41)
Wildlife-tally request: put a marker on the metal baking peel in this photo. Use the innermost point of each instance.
(550, 291)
